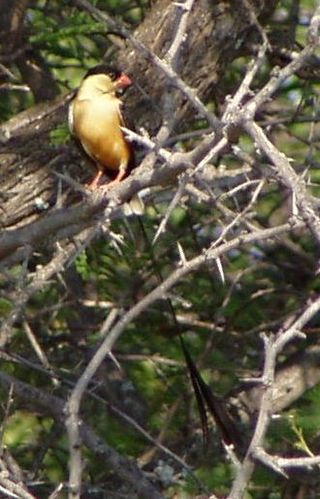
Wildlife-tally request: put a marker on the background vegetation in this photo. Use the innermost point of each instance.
(226, 253)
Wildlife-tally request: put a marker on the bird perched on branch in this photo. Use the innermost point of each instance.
(96, 118)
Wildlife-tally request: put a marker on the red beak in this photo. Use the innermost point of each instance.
(123, 81)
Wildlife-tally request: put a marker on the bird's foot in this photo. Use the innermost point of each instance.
(94, 184)
(109, 185)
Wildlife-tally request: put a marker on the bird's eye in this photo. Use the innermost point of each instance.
(120, 92)
(113, 75)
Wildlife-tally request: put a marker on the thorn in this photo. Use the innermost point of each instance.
(295, 210)
(220, 270)
(183, 260)
(114, 360)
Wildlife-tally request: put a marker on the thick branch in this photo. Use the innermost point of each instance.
(126, 469)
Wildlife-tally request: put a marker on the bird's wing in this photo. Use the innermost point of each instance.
(125, 116)
(125, 121)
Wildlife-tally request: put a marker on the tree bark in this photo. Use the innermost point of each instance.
(28, 158)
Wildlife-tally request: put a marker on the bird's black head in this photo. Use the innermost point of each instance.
(117, 75)
(113, 71)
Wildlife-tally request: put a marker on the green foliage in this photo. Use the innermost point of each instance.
(5, 306)
(60, 135)
(216, 478)
(21, 429)
(125, 440)
(265, 284)
(307, 416)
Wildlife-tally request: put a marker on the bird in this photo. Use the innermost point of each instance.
(96, 119)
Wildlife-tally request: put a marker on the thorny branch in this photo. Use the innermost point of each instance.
(158, 293)
(273, 347)
(55, 406)
(150, 56)
(188, 167)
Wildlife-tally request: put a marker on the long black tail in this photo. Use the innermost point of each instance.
(206, 400)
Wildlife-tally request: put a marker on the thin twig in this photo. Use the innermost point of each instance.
(273, 346)
(74, 402)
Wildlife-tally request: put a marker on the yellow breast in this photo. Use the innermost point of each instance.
(97, 124)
